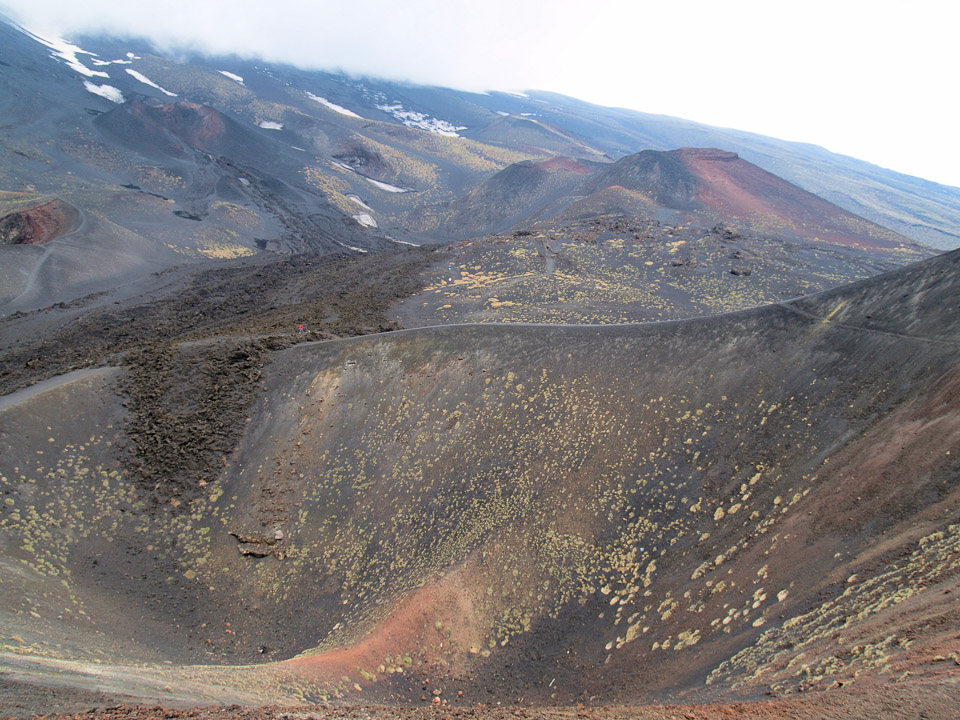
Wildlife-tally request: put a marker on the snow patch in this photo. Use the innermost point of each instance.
(382, 185)
(355, 249)
(332, 106)
(421, 121)
(67, 52)
(402, 242)
(515, 93)
(230, 75)
(131, 56)
(270, 125)
(365, 219)
(385, 186)
(147, 81)
(359, 202)
(101, 63)
(106, 91)
(409, 118)
(501, 113)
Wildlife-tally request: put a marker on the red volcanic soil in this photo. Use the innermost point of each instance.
(38, 224)
(413, 623)
(718, 186)
(172, 129)
(196, 124)
(736, 188)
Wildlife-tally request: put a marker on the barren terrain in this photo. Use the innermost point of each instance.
(721, 508)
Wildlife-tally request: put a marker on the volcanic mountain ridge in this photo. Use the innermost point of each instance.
(693, 186)
(170, 162)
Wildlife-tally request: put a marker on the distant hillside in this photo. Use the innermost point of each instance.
(654, 236)
(920, 209)
(693, 186)
(719, 186)
(179, 127)
(507, 199)
(211, 158)
(323, 111)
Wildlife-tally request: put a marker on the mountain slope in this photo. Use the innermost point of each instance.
(920, 209)
(218, 159)
(699, 186)
(719, 186)
(653, 236)
(328, 112)
(711, 508)
(505, 200)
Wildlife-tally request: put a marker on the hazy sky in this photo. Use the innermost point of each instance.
(875, 80)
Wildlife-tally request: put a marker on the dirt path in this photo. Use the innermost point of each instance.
(792, 307)
(21, 396)
(911, 701)
(48, 250)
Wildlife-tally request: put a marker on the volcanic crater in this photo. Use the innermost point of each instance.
(708, 509)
